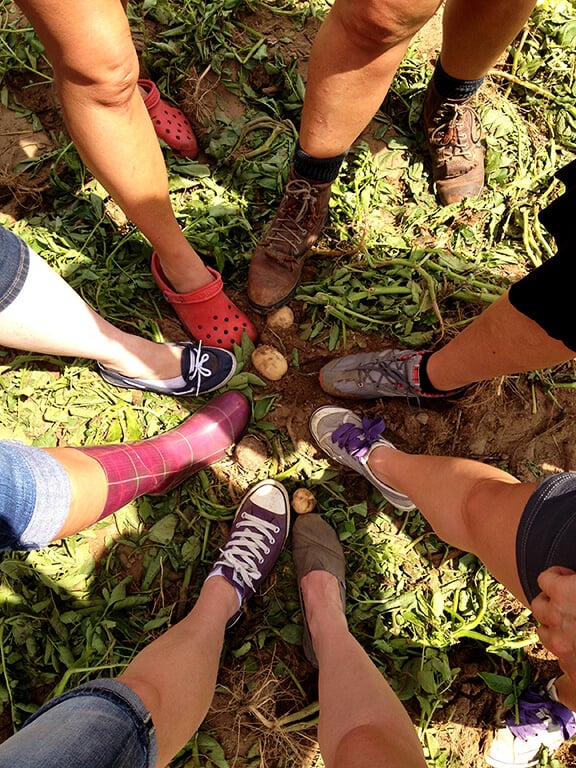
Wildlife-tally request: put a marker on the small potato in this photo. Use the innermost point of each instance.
(251, 453)
(281, 320)
(303, 501)
(269, 362)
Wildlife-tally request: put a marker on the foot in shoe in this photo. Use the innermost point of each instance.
(453, 131)
(158, 464)
(255, 540)
(207, 313)
(202, 370)
(543, 722)
(320, 570)
(276, 265)
(370, 375)
(349, 439)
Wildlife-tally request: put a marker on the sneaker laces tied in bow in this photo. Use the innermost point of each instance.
(197, 369)
(244, 550)
(357, 441)
(533, 710)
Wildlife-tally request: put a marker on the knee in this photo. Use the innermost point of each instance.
(105, 76)
(379, 24)
(379, 745)
(360, 746)
(148, 693)
(476, 506)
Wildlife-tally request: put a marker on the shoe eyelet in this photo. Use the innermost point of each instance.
(266, 551)
(276, 529)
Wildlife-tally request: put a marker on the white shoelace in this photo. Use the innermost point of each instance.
(243, 551)
(197, 369)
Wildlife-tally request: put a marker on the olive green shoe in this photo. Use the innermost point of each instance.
(315, 547)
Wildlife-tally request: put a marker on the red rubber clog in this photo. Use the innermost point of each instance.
(207, 313)
(170, 123)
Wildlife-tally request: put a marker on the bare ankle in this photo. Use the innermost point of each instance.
(566, 691)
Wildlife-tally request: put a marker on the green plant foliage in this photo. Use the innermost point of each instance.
(392, 262)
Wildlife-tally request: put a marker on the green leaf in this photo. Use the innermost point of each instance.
(497, 683)
(162, 532)
(292, 633)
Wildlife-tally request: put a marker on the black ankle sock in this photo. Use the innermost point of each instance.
(450, 88)
(317, 169)
(425, 385)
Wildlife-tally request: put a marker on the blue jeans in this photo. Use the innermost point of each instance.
(14, 265)
(35, 496)
(102, 724)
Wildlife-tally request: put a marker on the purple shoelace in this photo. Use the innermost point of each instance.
(533, 706)
(357, 441)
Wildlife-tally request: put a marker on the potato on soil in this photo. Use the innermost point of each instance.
(269, 362)
(281, 319)
(303, 501)
(251, 453)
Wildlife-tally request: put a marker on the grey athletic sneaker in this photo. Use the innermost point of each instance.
(350, 439)
(255, 539)
(369, 375)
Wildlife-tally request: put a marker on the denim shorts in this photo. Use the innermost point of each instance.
(35, 496)
(14, 265)
(547, 531)
(103, 724)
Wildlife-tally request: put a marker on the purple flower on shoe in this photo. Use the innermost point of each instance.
(534, 709)
(358, 441)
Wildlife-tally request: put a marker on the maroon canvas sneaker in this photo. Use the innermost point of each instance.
(255, 540)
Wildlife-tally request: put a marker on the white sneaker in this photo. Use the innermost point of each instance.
(543, 722)
(349, 439)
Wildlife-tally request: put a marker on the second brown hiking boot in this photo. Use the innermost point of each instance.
(277, 262)
(453, 131)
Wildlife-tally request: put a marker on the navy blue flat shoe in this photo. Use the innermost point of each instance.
(203, 370)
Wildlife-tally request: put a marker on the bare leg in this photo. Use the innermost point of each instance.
(353, 60)
(89, 489)
(476, 33)
(96, 69)
(175, 676)
(48, 316)
(466, 502)
(362, 722)
(498, 342)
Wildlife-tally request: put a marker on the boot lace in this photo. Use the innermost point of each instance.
(292, 223)
(450, 136)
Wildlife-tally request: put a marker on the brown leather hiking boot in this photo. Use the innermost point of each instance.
(277, 262)
(453, 131)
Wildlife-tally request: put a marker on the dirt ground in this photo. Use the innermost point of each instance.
(506, 422)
